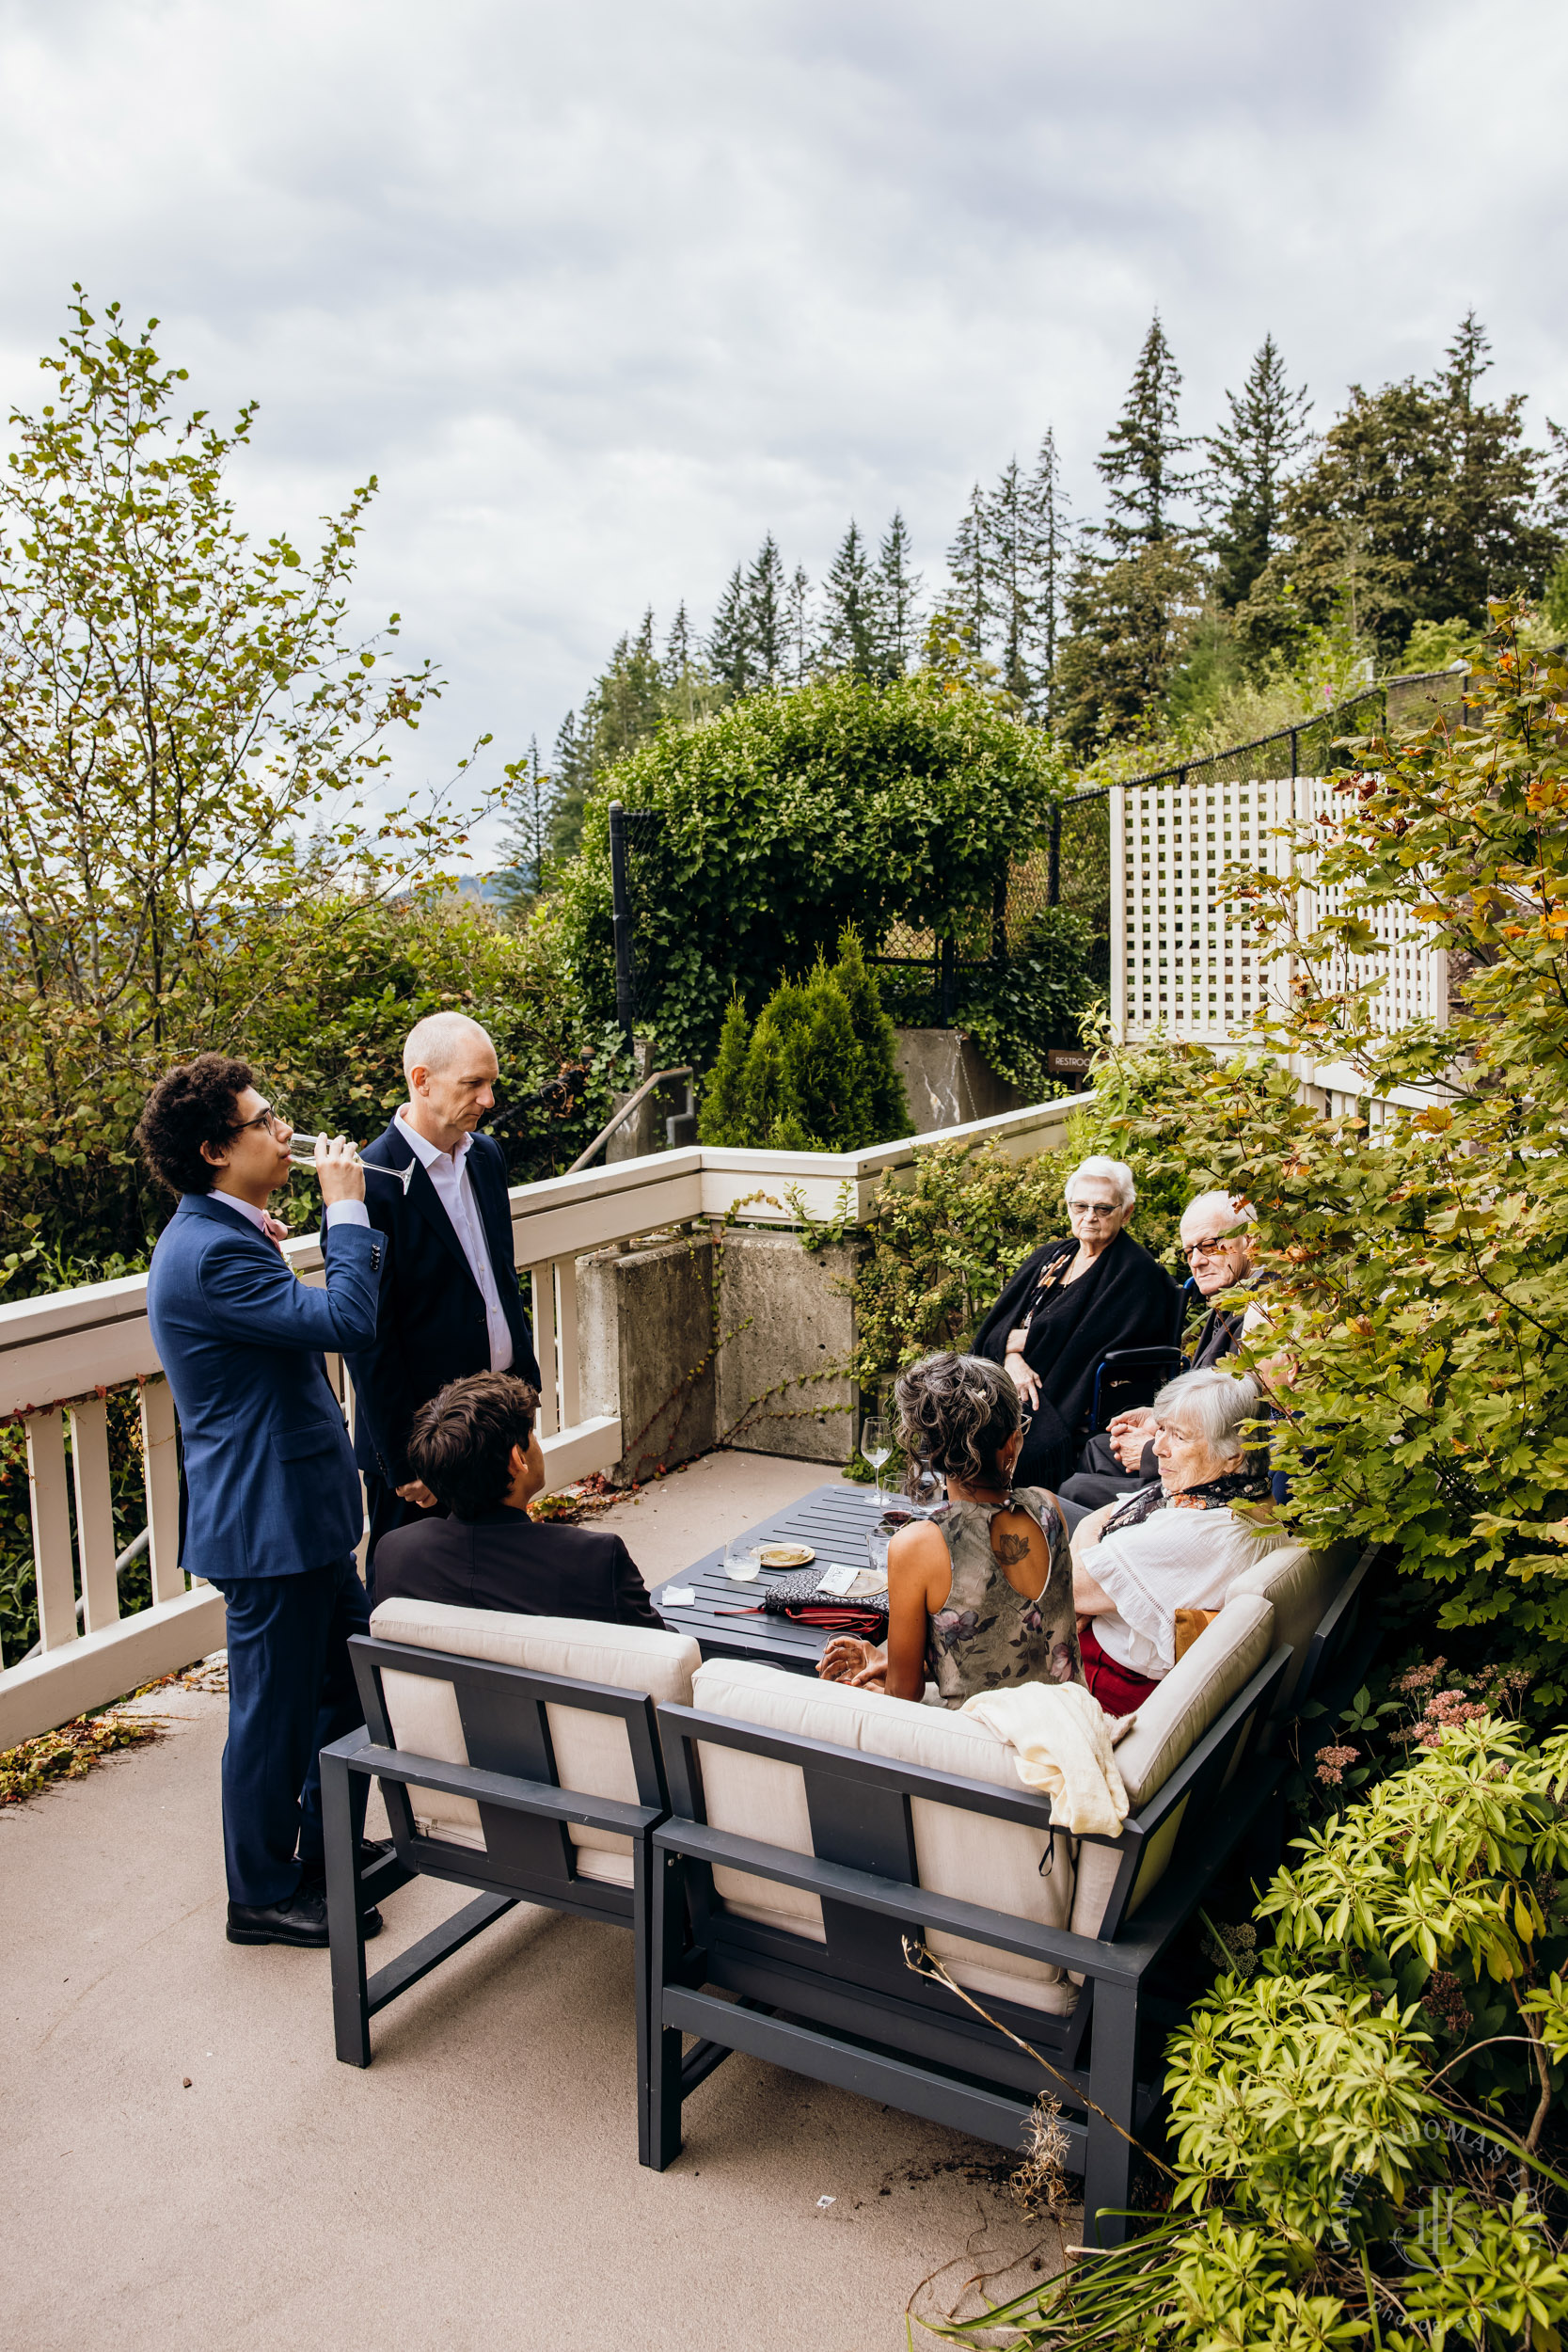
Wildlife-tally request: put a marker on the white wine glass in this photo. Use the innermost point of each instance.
(876, 1445)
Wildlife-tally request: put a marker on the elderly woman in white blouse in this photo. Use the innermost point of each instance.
(1172, 1547)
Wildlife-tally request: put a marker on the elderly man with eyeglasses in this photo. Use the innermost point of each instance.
(1217, 1244)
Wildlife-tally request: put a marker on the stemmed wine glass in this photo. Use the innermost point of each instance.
(876, 1445)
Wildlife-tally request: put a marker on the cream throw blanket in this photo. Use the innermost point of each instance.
(1064, 1739)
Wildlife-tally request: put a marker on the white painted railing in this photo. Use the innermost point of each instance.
(61, 1355)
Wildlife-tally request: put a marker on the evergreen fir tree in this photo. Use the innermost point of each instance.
(881, 1110)
(819, 1065)
(531, 806)
(679, 647)
(1009, 584)
(1248, 459)
(969, 596)
(728, 653)
(765, 614)
(630, 697)
(722, 1120)
(849, 619)
(897, 602)
(1046, 541)
(798, 629)
(573, 768)
(1139, 462)
(1423, 500)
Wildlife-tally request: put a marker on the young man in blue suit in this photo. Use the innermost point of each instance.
(274, 1509)
(449, 1299)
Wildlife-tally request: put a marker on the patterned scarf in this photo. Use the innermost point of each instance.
(1214, 1494)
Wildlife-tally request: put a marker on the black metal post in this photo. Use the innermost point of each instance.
(947, 959)
(625, 977)
(1053, 876)
(1293, 756)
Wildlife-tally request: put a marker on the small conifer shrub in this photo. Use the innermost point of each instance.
(816, 1071)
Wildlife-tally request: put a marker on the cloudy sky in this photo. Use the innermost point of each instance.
(603, 292)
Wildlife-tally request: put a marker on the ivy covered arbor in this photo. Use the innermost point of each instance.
(791, 815)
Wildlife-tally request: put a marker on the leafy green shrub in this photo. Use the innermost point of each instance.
(1417, 1271)
(179, 702)
(1328, 2186)
(331, 1048)
(818, 1070)
(788, 815)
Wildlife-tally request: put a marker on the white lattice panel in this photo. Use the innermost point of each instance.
(1180, 958)
(1414, 979)
(1180, 961)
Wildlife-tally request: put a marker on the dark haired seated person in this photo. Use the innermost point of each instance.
(474, 1446)
(980, 1595)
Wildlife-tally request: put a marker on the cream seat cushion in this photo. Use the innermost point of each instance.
(1299, 1584)
(968, 1855)
(592, 1751)
(1171, 1722)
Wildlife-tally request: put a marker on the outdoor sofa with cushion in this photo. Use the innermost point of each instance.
(816, 1829)
(517, 1756)
(801, 1829)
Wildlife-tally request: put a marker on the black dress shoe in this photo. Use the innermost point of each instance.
(301, 1919)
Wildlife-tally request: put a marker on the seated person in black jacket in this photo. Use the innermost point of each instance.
(474, 1446)
(1218, 1247)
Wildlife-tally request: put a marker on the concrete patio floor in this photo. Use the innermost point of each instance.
(479, 2184)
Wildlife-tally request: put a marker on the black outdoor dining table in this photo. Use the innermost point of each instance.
(834, 1520)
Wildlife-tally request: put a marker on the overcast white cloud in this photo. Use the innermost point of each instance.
(602, 293)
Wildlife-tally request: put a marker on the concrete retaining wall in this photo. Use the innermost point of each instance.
(948, 1081)
(645, 1330)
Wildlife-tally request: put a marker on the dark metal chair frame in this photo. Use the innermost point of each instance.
(523, 1811)
(1128, 1377)
(852, 2011)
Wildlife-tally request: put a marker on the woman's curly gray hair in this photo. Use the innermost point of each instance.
(956, 1413)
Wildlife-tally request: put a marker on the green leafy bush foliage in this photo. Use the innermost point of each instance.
(818, 1070)
(1329, 2184)
(178, 705)
(1018, 1006)
(1416, 1270)
(790, 815)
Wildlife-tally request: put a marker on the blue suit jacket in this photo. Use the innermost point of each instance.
(270, 1480)
(430, 1327)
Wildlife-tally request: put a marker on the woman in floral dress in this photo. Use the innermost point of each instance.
(980, 1592)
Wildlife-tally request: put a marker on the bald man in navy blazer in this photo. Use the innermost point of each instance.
(449, 1298)
(274, 1508)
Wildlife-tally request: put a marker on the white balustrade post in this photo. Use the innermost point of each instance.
(95, 1511)
(51, 1560)
(566, 1309)
(160, 1463)
(542, 1279)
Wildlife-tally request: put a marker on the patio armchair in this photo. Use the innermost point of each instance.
(815, 1827)
(517, 1756)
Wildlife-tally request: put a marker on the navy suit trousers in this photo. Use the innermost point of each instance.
(290, 1693)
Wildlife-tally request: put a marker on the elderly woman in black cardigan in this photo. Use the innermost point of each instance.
(1068, 1306)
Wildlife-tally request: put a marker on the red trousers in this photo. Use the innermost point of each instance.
(1117, 1688)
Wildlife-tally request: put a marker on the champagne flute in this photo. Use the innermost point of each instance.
(302, 1154)
(876, 1445)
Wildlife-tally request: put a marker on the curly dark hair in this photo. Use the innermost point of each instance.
(461, 1443)
(957, 1413)
(193, 1104)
